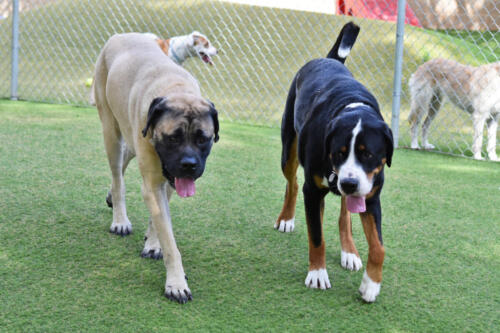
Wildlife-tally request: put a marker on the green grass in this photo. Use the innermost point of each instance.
(62, 271)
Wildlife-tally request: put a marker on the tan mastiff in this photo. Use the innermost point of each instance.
(153, 109)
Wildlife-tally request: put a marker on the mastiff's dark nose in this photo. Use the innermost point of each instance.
(349, 185)
(188, 164)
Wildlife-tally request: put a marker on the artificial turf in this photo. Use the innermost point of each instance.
(61, 270)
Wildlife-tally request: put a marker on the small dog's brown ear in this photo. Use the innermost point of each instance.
(156, 109)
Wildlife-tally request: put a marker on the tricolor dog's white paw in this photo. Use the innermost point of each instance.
(285, 226)
(152, 248)
(369, 290)
(178, 291)
(350, 261)
(318, 278)
(122, 228)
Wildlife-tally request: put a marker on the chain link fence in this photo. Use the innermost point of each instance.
(261, 45)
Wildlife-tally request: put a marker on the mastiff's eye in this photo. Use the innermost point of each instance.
(173, 139)
(200, 140)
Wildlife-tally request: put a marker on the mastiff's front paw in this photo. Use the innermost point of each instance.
(121, 229)
(178, 292)
(152, 248)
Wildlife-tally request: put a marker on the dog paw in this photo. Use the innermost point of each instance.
(121, 229)
(350, 261)
(152, 249)
(178, 292)
(478, 157)
(368, 289)
(428, 146)
(415, 145)
(285, 226)
(494, 158)
(318, 278)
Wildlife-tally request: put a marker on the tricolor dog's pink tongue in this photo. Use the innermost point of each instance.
(185, 187)
(355, 204)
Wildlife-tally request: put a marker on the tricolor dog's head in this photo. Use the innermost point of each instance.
(202, 47)
(182, 129)
(357, 144)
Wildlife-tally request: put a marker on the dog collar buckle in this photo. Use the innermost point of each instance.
(332, 176)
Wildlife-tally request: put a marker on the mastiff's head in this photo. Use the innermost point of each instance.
(183, 129)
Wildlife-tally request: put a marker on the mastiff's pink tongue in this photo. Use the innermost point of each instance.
(185, 187)
(355, 204)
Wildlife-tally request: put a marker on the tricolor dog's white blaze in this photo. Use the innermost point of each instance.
(352, 169)
(368, 289)
(318, 278)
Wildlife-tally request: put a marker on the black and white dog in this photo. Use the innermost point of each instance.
(333, 127)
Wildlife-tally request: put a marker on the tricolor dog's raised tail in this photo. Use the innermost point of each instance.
(344, 42)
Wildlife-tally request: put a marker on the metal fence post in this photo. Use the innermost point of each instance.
(15, 50)
(398, 64)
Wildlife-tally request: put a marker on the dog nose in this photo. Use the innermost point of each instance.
(349, 185)
(188, 163)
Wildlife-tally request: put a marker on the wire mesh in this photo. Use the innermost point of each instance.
(260, 49)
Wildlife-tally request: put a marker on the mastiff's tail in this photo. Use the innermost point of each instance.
(344, 43)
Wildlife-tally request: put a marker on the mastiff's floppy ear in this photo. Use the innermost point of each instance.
(215, 119)
(154, 113)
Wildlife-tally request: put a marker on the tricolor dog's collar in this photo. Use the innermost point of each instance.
(332, 176)
(354, 105)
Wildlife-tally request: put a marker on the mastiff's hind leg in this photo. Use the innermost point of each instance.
(128, 155)
(114, 145)
(152, 247)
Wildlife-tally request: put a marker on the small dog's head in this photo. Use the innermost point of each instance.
(202, 47)
(357, 145)
(182, 130)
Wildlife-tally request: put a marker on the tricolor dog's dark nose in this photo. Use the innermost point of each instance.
(349, 185)
(188, 163)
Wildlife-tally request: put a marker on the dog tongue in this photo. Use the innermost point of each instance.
(185, 187)
(355, 204)
(207, 59)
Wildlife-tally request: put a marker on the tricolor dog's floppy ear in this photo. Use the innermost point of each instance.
(154, 113)
(215, 119)
(389, 144)
(331, 130)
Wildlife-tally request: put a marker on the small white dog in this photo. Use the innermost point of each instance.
(473, 89)
(180, 48)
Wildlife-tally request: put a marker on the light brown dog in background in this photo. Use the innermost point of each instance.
(473, 89)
